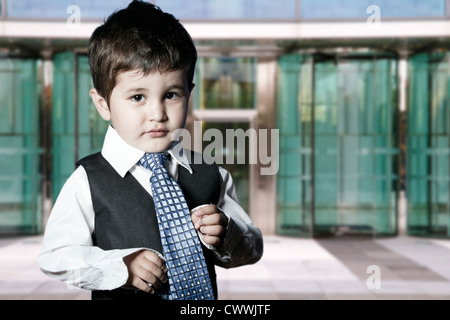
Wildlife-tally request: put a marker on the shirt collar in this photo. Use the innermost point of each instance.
(122, 157)
(178, 154)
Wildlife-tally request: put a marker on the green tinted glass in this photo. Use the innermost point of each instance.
(231, 155)
(20, 175)
(428, 188)
(338, 150)
(78, 129)
(225, 83)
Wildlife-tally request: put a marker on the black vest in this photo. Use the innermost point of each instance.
(125, 214)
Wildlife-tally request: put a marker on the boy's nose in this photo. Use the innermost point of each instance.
(157, 112)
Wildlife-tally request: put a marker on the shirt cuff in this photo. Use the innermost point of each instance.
(220, 254)
(115, 271)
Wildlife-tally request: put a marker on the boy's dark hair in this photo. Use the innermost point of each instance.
(141, 37)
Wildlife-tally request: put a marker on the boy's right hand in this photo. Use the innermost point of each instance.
(146, 271)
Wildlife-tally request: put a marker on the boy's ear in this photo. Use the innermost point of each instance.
(100, 104)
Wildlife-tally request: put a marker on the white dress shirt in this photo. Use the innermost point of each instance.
(68, 252)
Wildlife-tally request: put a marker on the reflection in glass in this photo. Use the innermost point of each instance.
(338, 150)
(230, 9)
(20, 175)
(77, 130)
(225, 83)
(345, 9)
(428, 170)
(239, 172)
(57, 9)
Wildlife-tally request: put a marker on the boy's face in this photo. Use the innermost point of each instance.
(146, 110)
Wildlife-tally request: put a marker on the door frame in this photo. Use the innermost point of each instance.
(232, 115)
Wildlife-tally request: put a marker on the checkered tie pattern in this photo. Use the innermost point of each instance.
(187, 271)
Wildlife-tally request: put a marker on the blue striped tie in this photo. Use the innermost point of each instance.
(187, 271)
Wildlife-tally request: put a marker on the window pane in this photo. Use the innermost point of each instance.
(225, 83)
(239, 171)
(58, 8)
(428, 145)
(353, 144)
(294, 197)
(20, 177)
(230, 9)
(67, 147)
(320, 9)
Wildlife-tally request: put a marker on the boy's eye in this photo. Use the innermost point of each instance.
(171, 96)
(137, 98)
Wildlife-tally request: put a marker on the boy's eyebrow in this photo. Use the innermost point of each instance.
(130, 90)
(176, 86)
(169, 87)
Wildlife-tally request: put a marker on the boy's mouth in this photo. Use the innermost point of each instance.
(157, 133)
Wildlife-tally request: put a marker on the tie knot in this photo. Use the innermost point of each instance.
(153, 161)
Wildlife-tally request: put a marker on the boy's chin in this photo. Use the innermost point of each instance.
(157, 147)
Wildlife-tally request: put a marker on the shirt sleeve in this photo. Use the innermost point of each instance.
(68, 253)
(243, 242)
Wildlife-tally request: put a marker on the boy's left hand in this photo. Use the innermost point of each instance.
(211, 223)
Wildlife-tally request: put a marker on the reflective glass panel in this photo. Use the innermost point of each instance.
(78, 130)
(337, 120)
(355, 145)
(230, 9)
(342, 9)
(294, 106)
(231, 155)
(428, 151)
(61, 9)
(20, 173)
(225, 83)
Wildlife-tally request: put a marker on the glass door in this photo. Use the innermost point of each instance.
(234, 159)
(20, 171)
(356, 145)
(428, 170)
(337, 119)
(295, 210)
(224, 102)
(77, 128)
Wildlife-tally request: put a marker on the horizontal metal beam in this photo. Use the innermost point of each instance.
(247, 30)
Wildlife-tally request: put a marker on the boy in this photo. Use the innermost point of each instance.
(108, 231)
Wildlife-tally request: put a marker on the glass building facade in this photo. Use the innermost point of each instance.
(77, 128)
(429, 144)
(337, 117)
(234, 9)
(347, 150)
(20, 170)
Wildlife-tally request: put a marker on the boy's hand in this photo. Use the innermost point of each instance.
(211, 223)
(146, 271)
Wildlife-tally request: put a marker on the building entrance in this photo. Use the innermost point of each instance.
(337, 115)
(21, 176)
(428, 183)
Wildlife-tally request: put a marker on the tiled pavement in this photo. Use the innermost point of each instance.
(337, 268)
